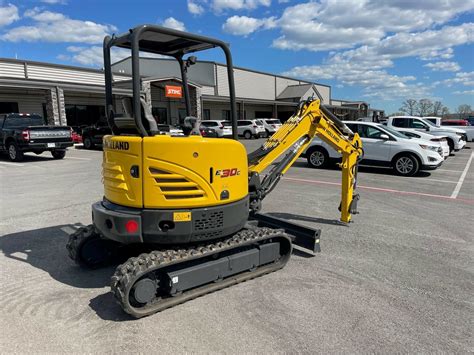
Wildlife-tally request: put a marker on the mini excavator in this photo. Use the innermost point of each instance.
(195, 201)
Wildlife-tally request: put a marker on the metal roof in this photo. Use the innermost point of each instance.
(294, 91)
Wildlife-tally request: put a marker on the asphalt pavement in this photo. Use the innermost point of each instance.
(397, 279)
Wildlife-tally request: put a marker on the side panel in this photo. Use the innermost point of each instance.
(121, 153)
(187, 172)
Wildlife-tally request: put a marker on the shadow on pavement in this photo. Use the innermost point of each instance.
(45, 249)
(29, 157)
(297, 217)
(107, 308)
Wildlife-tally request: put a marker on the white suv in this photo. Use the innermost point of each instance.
(382, 146)
(456, 137)
(271, 125)
(222, 128)
(250, 128)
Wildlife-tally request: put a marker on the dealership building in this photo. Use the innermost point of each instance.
(74, 96)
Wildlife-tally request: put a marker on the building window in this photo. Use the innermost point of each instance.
(182, 115)
(263, 114)
(206, 114)
(226, 115)
(160, 114)
(9, 107)
(79, 116)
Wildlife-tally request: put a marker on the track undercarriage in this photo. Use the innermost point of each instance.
(163, 278)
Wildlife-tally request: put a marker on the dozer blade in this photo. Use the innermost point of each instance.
(302, 236)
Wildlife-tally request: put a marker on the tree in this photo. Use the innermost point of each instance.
(444, 111)
(409, 107)
(424, 107)
(464, 110)
(437, 108)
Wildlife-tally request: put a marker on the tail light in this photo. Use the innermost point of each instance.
(25, 135)
(131, 226)
(221, 125)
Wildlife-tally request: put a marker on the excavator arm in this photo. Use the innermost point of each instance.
(291, 140)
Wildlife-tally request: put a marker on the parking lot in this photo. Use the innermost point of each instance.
(398, 279)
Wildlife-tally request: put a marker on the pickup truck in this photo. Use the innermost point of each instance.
(456, 137)
(20, 133)
(438, 122)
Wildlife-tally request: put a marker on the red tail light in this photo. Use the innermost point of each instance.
(25, 135)
(131, 226)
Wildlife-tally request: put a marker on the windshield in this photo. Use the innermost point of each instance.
(429, 122)
(273, 122)
(394, 132)
(226, 123)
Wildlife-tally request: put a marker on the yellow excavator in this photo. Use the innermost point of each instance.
(195, 201)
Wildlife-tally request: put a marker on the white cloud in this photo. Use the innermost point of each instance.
(443, 66)
(53, 2)
(461, 78)
(465, 92)
(222, 5)
(8, 15)
(171, 22)
(93, 56)
(56, 27)
(243, 25)
(195, 8)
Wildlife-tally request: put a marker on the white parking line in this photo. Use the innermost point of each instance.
(78, 158)
(451, 171)
(13, 164)
(462, 177)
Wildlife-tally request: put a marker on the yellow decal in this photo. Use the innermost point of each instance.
(181, 216)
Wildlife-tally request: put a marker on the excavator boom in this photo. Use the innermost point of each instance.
(291, 140)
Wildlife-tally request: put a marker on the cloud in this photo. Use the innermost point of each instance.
(461, 78)
(171, 22)
(53, 2)
(222, 5)
(465, 92)
(56, 27)
(443, 66)
(243, 25)
(195, 8)
(93, 56)
(8, 15)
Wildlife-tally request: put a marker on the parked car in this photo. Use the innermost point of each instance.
(76, 137)
(92, 135)
(250, 128)
(208, 132)
(440, 141)
(456, 137)
(383, 146)
(170, 129)
(23, 132)
(271, 125)
(463, 125)
(222, 128)
(458, 123)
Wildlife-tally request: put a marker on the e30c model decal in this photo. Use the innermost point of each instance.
(116, 145)
(227, 172)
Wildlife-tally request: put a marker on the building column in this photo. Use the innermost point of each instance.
(55, 107)
(196, 102)
(146, 89)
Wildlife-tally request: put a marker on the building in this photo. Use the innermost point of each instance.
(75, 95)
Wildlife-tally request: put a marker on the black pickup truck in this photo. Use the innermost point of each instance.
(20, 133)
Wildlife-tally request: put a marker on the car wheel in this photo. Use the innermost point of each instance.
(58, 154)
(451, 146)
(318, 158)
(14, 153)
(406, 165)
(248, 135)
(87, 141)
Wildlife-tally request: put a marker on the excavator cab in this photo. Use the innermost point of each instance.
(175, 180)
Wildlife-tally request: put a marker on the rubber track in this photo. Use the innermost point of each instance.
(135, 268)
(76, 239)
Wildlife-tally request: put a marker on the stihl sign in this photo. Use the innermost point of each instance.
(173, 91)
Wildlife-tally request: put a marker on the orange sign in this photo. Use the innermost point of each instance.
(173, 91)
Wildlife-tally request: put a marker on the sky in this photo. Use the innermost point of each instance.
(378, 51)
